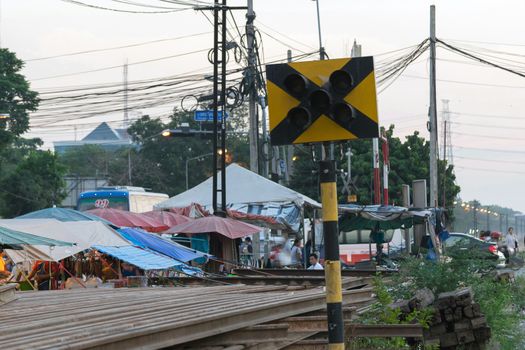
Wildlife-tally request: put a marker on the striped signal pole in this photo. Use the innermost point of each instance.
(386, 167)
(377, 179)
(334, 293)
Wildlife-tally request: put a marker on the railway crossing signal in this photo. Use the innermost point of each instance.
(320, 101)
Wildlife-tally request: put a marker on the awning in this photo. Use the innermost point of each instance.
(213, 224)
(84, 234)
(141, 258)
(369, 217)
(9, 237)
(123, 218)
(62, 214)
(153, 242)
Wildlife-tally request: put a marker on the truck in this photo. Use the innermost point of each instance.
(128, 198)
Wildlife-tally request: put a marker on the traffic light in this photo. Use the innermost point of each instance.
(318, 101)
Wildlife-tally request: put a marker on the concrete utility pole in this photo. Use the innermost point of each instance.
(406, 203)
(433, 113)
(253, 135)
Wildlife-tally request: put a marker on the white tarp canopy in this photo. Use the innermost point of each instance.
(242, 187)
(84, 234)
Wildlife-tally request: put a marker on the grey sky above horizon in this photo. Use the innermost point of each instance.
(490, 166)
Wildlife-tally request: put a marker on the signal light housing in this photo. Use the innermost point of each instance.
(296, 85)
(343, 114)
(320, 100)
(299, 117)
(341, 82)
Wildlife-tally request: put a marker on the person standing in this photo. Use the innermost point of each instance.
(247, 252)
(511, 241)
(297, 254)
(314, 262)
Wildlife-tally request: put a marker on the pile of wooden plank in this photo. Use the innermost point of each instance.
(154, 318)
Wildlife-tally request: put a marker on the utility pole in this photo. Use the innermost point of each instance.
(289, 148)
(433, 113)
(252, 99)
(322, 53)
(406, 203)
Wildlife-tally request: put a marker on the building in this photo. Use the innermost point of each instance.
(103, 135)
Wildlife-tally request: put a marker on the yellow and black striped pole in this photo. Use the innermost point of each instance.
(334, 293)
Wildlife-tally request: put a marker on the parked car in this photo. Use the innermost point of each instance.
(460, 246)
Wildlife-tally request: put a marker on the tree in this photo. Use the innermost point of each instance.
(30, 179)
(16, 98)
(36, 183)
(409, 160)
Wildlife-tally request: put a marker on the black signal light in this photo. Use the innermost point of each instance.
(296, 84)
(341, 81)
(320, 100)
(299, 117)
(343, 114)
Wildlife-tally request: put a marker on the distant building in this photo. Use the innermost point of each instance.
(103, 135)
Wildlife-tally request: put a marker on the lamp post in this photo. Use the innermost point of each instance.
(187, 163)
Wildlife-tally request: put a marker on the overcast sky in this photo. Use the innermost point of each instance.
(486, 103)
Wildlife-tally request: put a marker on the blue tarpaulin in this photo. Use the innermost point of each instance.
(141, 258)
(62, 214)
(161, 245)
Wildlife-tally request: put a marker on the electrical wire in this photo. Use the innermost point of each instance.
(83, 4)
(116, 47)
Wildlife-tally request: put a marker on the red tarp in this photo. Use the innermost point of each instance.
(167, 218)
(128, 219)
(194, 211)
(225, 226)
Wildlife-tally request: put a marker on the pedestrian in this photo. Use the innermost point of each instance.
(511, 241)
(297, 254)
(247, 252)
(314, 262)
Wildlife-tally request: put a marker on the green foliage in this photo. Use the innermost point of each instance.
(502, 303)
(16, 98)
(409, 160)
(30, 179)
(35, 183)
(382, 313)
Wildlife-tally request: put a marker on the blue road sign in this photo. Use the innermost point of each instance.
(207, 116)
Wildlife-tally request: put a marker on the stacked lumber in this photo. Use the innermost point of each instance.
(154, 318)
(457, 320)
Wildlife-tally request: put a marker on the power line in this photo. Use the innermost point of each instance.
(489, 136)
(116, 47)
(482, 60)
(491, 170)
(465, 82)
(119, 66)
(79, 3)
(490, 150)
(490, 160)
(490, 116)
(492, 126)
(486, 42)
